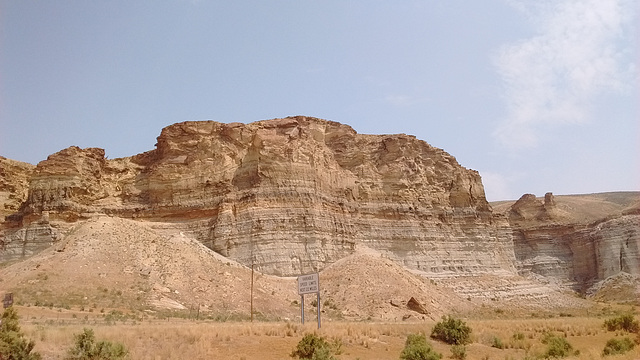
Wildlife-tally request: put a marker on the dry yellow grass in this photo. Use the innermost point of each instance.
(184, 339)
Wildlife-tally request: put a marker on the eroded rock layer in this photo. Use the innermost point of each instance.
(290, 195)
(294, 195)
(14, 185)
(574, 253)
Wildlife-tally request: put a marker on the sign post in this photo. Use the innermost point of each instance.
(8, 300)
(309, 284)
(251, 293)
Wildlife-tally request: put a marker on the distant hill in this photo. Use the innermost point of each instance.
(586, 208)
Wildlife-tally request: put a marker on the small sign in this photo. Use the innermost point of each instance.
(8, 300)
(308, 284)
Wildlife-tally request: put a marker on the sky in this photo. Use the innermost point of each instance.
(538, 96)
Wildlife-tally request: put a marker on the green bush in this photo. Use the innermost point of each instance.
(459, 352)
(313, 347)
(452, 331)
(623, 322)
(86, 348)
(13, 344)
(618, 346)
(557, 347)
(497, 343)
(418, 348)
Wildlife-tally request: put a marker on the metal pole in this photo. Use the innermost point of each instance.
(252, 291)
(302, 308)
(318, 309)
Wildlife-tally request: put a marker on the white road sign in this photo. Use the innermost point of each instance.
(308, 284)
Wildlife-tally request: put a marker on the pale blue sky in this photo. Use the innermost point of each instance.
(536, 95)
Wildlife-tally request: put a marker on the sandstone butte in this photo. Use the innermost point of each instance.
(295, 195)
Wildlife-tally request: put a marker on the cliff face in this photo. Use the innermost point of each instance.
(294, 195)
(571, 252)
(14, 188)
(290, 195)
(14, 185)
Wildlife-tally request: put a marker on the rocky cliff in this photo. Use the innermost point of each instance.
(18, 241)
(294, 195)
(572, 243)
(14, 185)
(291, 195)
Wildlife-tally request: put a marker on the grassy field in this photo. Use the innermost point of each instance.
(174, 338)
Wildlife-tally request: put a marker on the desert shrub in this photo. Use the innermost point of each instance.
(329, 304)
(557, 347)
(497, 343)
(459, 352)
(623, 322)
(618, 346)
(86, 348)
(13, 344)
(418, 348)
(336, 345)
(452, 331)
(313, 347)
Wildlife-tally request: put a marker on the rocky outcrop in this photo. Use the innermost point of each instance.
(14, 188)
(414, 305)
(74, 182)
(529, 208)
(28, 240)
(617, 246)
(573, 254)
(289, 195)
(294, 195)
(14, 185)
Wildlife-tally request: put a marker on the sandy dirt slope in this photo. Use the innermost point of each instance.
(114, 263)
(368, 285)
(117, 263)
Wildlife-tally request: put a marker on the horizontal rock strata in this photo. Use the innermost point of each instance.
(576, 255)
(295, 195)
(289, 195)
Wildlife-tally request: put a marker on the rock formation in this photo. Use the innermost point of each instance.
(14, 185)
(575, 254)
(295, 195)
(289, 195)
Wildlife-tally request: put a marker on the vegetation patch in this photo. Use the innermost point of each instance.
(313, 347)
(418, 348)
(86, 348)
(497, 343)
(618, 346)
(452, 331)
(624, 322)
(13, 344)
(557, 347)
(459, 352)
